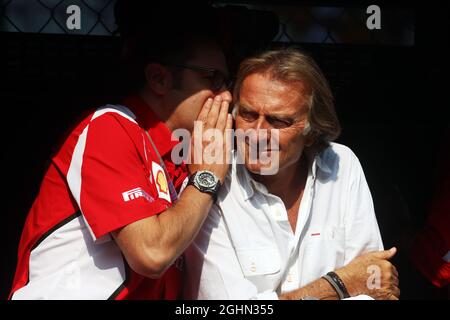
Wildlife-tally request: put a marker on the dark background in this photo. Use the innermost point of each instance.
(392, 102)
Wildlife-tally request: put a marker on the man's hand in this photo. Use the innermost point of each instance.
(356, 274)
(211, 141)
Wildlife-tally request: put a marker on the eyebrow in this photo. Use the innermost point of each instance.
(290, 117)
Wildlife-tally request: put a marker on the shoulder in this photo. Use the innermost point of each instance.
(113, 121)
(111, 132)
(338, 161)
(113, 115)
(340, 150)
(339, 153)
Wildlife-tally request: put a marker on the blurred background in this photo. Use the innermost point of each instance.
(390, 87)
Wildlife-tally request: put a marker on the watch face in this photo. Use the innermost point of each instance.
(206, 180)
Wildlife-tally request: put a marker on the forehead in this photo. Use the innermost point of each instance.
(260, 91)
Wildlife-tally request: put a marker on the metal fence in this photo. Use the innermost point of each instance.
(50, 16)
(298, 23)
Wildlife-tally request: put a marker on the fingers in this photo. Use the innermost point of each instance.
(228, 138)
(214, 112)
(203, 115)
(394, 285)
(395, 293)
(385, 254)
(395, 281)
(392, 297)
(391, 252)
(394, 271)
(223, 116)
(226, 96)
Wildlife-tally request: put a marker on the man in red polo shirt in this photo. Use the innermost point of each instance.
(107, 223)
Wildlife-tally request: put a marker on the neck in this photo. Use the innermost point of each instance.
(288, 180)
(156, 104)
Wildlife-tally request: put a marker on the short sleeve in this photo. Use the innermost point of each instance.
(362, 231)
(110, 179)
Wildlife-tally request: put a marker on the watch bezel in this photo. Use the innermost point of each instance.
(199, 183)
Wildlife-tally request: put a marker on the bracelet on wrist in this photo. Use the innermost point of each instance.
(338, 285)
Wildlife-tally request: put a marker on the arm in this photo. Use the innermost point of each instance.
(151, 245)
(355, 278)
(214, 272)
(319, 289)
(362, 236)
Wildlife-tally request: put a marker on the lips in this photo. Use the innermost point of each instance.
(258, 149)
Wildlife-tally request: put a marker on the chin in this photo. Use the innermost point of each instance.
(262, 169)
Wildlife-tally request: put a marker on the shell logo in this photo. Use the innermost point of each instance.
(162, 182)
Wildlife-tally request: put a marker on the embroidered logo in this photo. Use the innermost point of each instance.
(161, 181)
(135, 194)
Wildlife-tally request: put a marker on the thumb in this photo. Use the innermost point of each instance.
(386, 254)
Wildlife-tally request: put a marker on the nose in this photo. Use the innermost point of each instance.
(262, 124)
(262, 129)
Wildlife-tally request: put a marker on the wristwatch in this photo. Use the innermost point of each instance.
(205, 181)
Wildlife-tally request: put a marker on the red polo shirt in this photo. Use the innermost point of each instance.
(105, 176)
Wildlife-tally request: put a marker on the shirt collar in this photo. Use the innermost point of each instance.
(148, 120)
(320, 162)
(249, 185)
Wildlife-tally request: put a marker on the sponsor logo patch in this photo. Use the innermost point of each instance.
(161, 182)
(135, 194)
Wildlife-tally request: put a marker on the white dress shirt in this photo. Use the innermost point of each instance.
(246, 248)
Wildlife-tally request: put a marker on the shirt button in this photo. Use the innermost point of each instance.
(253, 267)
(289, 278)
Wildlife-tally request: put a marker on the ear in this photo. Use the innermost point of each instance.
(310, 139)
(159, 79)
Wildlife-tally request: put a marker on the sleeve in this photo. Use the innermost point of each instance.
(213, 271)
(108, 179)
(362, 231)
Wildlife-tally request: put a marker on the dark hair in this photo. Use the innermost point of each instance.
(161, 32)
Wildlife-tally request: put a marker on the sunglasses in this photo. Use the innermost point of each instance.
(218, 79)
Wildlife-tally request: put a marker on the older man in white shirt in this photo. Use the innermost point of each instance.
(307, 229)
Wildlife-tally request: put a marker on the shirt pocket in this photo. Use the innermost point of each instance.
(323, 251)
(329, 234)
(259, 261)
